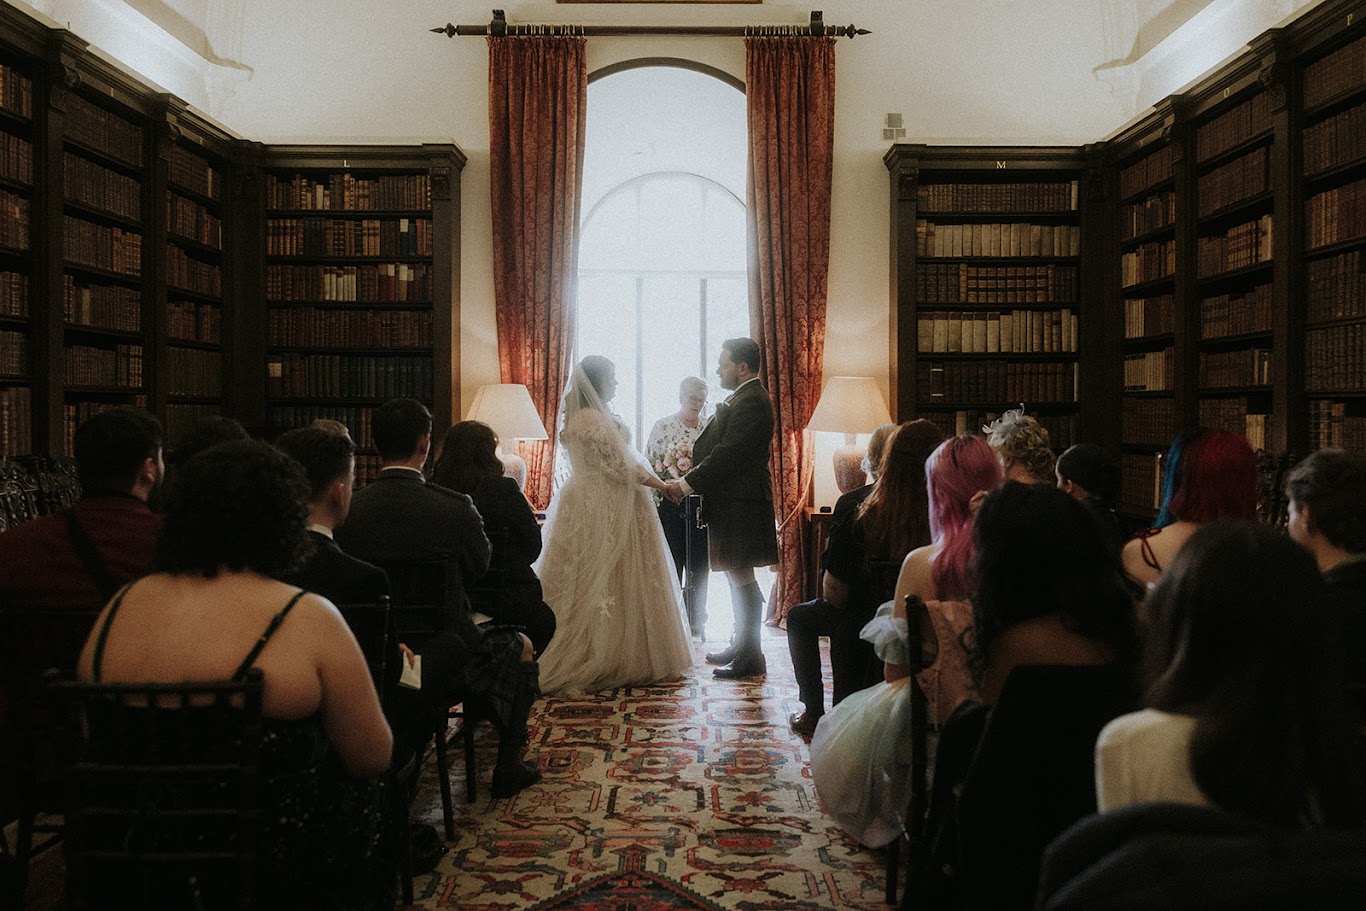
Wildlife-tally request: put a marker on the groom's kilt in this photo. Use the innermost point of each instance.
(740, 533)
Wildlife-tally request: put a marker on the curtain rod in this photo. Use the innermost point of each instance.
(500, 28)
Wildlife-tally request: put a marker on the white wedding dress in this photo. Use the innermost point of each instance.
(605, 568)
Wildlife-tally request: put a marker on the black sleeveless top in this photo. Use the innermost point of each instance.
(323, 836)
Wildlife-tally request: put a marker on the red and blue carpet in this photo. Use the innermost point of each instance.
(689, 795)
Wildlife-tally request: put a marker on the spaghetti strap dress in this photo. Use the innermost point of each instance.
(324, 841)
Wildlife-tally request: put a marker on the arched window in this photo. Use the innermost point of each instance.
(662, 252)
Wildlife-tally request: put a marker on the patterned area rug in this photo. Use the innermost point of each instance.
(690, 795)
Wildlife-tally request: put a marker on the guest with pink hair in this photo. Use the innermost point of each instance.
(858, 758)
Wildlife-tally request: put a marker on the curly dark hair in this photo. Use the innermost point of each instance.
(1036, 554)
(236, 506)
(209, 430)
(469, 458)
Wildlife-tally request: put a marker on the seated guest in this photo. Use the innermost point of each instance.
(401, 518)
(510, 592)
(1327, 494)
(76, 560)
(1087, 474)
(873, 525)
(1245, 691)
(1021, 443)
(1051, 650)
(209, 430)
(1210, 474)
(668, 449)
(234, 519)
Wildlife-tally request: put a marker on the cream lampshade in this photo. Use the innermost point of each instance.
(507, 408)
(850, 405)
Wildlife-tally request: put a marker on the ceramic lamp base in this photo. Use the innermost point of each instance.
(514, 466)
(849, 473)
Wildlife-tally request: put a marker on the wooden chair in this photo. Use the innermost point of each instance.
(914, 825)
(32, 642)
(370, 624)
(162, 792)
(418, 592)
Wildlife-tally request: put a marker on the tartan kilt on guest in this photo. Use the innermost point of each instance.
(740, 533)
(497, 678)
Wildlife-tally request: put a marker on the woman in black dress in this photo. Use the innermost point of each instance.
(509, 592)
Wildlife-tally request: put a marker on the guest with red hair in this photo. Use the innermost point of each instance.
(1211, 474)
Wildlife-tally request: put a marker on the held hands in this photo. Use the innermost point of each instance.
(674, 492)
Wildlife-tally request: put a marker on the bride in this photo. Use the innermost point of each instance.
(605, 569)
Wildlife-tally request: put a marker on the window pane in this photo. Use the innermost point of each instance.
(727, 317)
(607, 326)
(670, 342)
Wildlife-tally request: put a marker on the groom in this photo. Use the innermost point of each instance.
(730, 471)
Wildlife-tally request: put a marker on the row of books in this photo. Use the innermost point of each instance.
(104, 131)
(1223, 369)
(14, 221)
(1234, 127)
(1336, 141)
(377, 283)
(117, 366)
(983, 332)
(997, 197)
(102, 247)
(1335, 73)
(1242, 178)
(13, 353)
(357, 418)
(1151, 213)
(1336, 215)
(1150, 170)
(100, 188)
(969, 283)
(368, 465)
(16, 92)
(1239, 246)
(1232, 415)
(181, 416)
(16, 158)
(318, 236)
(16, 420)
(195, 174)
(1337, 287)
(189, 219)
(309, 326)
(185, 272)
(361, 376)
(1140, 480)
(1236, 314)
(1148, 262)
(1144, 316)
(116, 307)
(997, 239)
(77, 413)
(13, 294)
(349, 192)
(188, 321)
(190, 371)
(995, 381)
(1150, 371)
(1062, 428)
(1147, 422)
(1330, 425)
(1335, 359)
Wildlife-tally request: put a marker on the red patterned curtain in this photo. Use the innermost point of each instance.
(790, 89)
(537, 93)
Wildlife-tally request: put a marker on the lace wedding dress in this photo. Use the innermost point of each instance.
(605, 568)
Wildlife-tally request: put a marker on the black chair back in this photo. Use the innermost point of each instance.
(162, 792)
(419, 596)
(487, 592)
(369, 623)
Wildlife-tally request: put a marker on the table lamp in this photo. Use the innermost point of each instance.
(507, 408)
(850, 405)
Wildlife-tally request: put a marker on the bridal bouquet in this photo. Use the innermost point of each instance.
(674, 462)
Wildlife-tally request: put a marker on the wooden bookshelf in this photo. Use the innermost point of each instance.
(989, 284)
(1332, 142)
(17, 134)
(361, 284)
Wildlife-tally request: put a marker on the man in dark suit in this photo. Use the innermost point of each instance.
(402, 518)
(730, 471)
